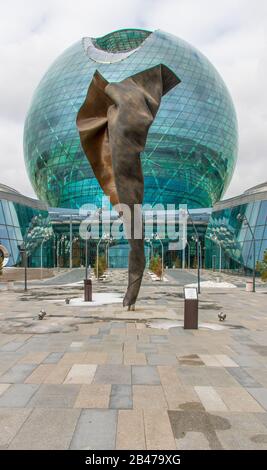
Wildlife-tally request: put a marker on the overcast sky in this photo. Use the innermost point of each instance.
(231, 33)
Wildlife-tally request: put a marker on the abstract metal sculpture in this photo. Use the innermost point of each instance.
(113, 123)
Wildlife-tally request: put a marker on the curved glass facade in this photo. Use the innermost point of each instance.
(234, 236)
(191, 147)
(21, 221)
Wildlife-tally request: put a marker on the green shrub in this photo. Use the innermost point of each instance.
(261, 267)
(102, 266)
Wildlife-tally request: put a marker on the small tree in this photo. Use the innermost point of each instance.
(1, 265)
(261, 267)
(155, 265)
(102, 266)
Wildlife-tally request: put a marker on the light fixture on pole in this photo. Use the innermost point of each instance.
(23, 254)
(149, 250)
(242, 218)
(197, 245)
(215, 238)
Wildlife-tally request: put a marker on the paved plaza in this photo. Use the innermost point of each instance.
(100, 377)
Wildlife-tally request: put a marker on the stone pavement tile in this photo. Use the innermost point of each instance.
(159, 339)
(260, 349)
(11, 346)
(6, 338)
(130, 430)
(210, 399)
(96, 357)
(81, 374)
(146, 348)
(154, 331)
(145, 375)
(158, 432)
(114, 358)
(111, 348)
(193, 440)
(113, 374)
(55, 396)
(73, 358)
(177, 394)
(39, 374)
(262, 417)
(210, 360)
(149, 396)
(4, 366)
(18, 395)
(225, 360)
(95, 430)
(248, 361)
(121, 397)
(246, 432)
(58, 374)
(88, 330)
(118, 331)
(129, 348)
(3, 388)
(18, 373)
(33, 358)
(135, 359)
(260, 394)
(47, 429)
(93, 396)
(161, 359)
(191, 375)
(11, 420)
(220, 377)
(260, 375)
(205, 427)
(241, 375)
(238, 399)
(53, 358)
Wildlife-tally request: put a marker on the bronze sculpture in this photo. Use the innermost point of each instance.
(113, 123)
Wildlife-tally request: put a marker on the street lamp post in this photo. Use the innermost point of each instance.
(150, 253)
(86, 257)
(97, 257)
(63, 237)
(23, 254)
(197, 245)
(71, 241)
(215, 238)
(188, 255)
(54, 249)
(43, 241)
(243, 218)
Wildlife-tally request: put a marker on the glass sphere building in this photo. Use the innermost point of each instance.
(191, 148)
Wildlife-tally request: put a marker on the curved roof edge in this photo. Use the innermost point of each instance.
(256, 193)
(10, 194)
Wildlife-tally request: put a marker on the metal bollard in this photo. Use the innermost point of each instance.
(87, 290)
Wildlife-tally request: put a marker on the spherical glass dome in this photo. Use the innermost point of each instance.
(191, 148)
